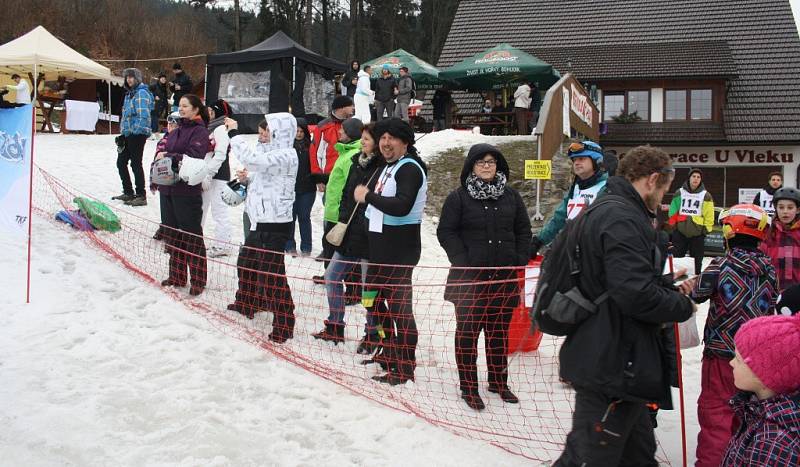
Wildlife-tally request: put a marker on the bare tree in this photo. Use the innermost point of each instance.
(308, 23)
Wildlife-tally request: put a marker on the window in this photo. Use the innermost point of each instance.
(700, 104)
(639, 102)
(613, 105)
(675, 104)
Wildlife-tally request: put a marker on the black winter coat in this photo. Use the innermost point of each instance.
(185, 82)
(304, 182)
(356, 241)
(483, 233)
(384, 89)
(620, 350)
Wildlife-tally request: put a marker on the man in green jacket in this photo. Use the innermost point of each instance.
(589, 184)
(348, 145)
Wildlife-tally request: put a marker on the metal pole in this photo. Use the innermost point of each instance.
(109, 105)
(294, 79)
(30, 180)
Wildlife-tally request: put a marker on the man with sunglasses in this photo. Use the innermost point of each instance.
(589, 184)
(615, 359)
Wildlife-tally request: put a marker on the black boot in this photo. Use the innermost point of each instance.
(505, 394)
(473, 399)
(368, 344)
(282, 328)
(333, 332)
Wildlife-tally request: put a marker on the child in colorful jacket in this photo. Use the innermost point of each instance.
(691, 215)
(741, 286)
(767, 371)
(783, 239)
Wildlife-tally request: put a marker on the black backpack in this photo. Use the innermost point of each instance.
(559, 306)
(413, 89)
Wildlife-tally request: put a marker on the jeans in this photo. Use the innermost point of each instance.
(381, 106)
(303, 202)
(337, 271)
(439, 124)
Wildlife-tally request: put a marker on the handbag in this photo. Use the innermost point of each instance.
(335, 236)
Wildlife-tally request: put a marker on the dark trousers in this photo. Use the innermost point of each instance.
(134, 147)
(694, 245)
(488, 311)
(184, 238)
(262, 276)
(301, 213)
(393, 284)
(608, 433)
(380, 106)
(327, 248)
(521, 116)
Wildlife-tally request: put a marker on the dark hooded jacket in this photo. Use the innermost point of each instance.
(185, 82)
(483, 233)
(303, 183)
(347, 80)
(356, 241)
(620, 350)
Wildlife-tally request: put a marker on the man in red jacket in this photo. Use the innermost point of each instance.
(323, 152)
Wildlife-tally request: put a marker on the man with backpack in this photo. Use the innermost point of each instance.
(603, 289)
(406, 91)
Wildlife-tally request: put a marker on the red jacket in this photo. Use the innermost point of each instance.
(783, 247)
(322, 152)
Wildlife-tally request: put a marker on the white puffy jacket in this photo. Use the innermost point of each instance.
(272, 169)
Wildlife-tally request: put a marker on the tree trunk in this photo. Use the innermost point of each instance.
(237, 39)
(308, 23)
(354, 25)
(326, 39)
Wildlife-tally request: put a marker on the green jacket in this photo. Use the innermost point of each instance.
(559, 219)
(338, 177)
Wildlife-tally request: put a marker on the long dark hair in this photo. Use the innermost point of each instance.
(197, 103)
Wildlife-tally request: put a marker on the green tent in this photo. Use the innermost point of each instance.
(499, 67)
(425, 75)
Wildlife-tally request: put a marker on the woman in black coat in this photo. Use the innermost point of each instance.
(484, 224)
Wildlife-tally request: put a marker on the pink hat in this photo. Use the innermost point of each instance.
(770, 345)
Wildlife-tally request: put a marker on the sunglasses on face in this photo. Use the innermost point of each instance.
(489, 163)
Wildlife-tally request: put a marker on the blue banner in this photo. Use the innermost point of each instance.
(15, 168)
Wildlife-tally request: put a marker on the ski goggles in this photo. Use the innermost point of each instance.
(585, 150)
(173, 120)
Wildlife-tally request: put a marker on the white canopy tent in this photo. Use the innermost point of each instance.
(41, 52)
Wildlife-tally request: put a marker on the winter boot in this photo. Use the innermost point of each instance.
(473, 399)
(123, 197)
(333, 332)
(282, 328)
(137, 201)
(505, 394)
(369, 343)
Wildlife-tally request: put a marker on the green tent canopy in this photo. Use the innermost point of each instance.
(425, 75)
(498, 67)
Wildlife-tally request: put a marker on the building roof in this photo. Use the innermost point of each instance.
(664, 134)
(692, 59)
(763, 101)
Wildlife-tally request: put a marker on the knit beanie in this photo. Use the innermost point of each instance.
(770, 346)
(340, 102)
(221, 108)
(353, 128)
(693, 171)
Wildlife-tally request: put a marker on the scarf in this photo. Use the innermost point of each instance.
(480, 189)
(365, 159)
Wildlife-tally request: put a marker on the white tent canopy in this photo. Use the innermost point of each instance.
(41, 52)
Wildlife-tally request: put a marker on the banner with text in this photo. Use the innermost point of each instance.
(15, 168)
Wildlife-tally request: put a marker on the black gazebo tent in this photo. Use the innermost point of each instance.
(270, 76)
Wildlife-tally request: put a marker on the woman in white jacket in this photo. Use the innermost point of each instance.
(219, 174)
(363, 94)
(272, 169)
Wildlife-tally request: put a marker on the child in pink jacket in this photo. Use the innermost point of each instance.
(782, 244)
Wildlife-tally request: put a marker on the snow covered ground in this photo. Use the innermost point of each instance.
(104, 368)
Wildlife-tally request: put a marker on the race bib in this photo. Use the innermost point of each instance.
(581, 199)
(691, 203)
(765, 201)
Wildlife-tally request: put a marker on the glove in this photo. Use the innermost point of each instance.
(536, 244)
(121, 143)
(206, 183)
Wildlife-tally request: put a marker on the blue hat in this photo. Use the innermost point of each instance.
(586, 149)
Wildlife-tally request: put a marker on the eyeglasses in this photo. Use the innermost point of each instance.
(489, 163)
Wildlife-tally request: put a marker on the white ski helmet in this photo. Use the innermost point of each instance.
(234, 193)
(193, 171)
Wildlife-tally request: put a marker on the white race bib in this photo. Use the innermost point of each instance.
(581, 199)
(765, 201)
(692, 203)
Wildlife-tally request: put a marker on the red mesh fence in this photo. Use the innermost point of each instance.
(252, 301)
